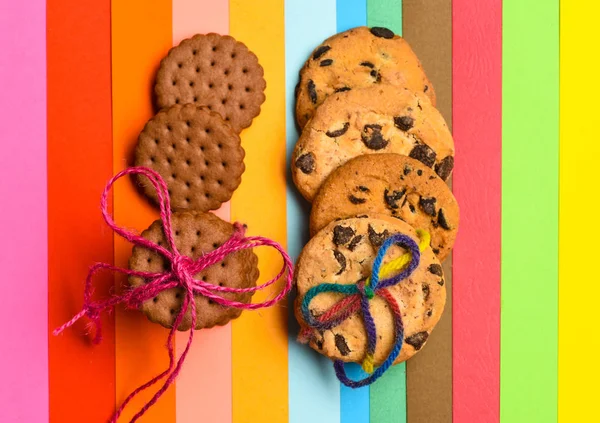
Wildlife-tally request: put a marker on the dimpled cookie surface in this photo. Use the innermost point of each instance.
(379, 119)
(343, 253)
(358, 58)
(215, 71)
(195, 234)
(390, 184)
(198, 155)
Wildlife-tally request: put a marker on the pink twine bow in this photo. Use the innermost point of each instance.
(181, 275)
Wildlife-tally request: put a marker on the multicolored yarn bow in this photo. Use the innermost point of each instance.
(358, 296)
(181, 275)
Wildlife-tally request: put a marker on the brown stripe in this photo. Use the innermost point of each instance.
(427, 26)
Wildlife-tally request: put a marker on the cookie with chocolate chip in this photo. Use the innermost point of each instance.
(343, 253)
(195, 234)
(399, 186)
(378, 119)
(358, 58)
(198, 155)
(215, 71)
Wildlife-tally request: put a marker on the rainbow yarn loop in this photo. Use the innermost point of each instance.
(357, 297)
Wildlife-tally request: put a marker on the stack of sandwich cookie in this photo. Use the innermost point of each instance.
(208, 89)
(190, 269)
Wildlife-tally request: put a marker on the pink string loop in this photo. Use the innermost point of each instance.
(181, 274)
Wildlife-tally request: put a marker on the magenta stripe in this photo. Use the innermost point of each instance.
(23, 213)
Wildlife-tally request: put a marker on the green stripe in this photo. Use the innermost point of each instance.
(529, 313)
(388, 394)
(386, 13)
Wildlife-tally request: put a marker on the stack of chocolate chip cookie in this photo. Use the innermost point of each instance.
(208, 89)
(373, 157)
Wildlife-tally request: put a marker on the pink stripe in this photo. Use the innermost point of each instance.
(204, 390)
(477, 108)
(23, 214)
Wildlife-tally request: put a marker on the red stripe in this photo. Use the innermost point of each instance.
(477, 108)
(82, 377)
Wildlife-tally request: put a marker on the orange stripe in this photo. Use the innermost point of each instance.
(141, 36)
(82, 377)
(260, 350)
(204, 386)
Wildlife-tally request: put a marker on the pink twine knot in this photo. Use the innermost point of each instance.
(181, 267)
(181, 274)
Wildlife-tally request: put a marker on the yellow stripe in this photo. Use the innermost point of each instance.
(260, 368)
(578, 364)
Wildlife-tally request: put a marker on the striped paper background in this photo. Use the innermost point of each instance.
(75, 91)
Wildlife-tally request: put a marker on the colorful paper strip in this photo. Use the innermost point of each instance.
(428, 29)
(260, 366)
(477, 107)
(141, 37)
(578, 344)
(314, 391)
(24, 222)
(388, 395)
(386, 13)
(529, 337)
(204, 388)
(82, 376)
(354, 403)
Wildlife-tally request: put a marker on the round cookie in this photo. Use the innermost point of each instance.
(358, 58)
(379, 119)
(390, 184)
(195, 234)
(199, 156)
(215, 71)
(343, 253)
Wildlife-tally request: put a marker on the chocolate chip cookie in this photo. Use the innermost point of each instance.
(195, 234)
(379, 119)
(343, 253)
(391, 184)
(357, 58)
(198, 155)
(215, 71)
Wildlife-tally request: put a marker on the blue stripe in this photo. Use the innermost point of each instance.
(354, 403)
(314, 391)
(351, 13)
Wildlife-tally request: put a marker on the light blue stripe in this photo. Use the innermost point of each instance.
(354, 403)
(351, 13)
(314, 391)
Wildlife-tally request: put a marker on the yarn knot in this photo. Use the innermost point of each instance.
(181, 267)
(181, 274)
(357, 297)
(366, 290)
